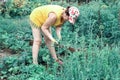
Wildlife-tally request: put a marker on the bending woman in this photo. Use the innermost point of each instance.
(42, 18)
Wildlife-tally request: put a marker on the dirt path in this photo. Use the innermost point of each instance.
(4, 53)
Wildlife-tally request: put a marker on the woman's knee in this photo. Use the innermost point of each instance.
(37, 42)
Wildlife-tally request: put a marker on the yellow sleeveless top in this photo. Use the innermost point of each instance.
(39, 15)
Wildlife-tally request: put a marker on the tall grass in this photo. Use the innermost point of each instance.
(92, 64)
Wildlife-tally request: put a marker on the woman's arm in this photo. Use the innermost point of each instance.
(58, 32)
(45, 27)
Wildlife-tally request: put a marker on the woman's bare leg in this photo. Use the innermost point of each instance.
(36, 44)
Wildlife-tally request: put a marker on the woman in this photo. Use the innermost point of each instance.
(42, 18)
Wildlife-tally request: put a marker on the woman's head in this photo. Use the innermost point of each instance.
(71, 14)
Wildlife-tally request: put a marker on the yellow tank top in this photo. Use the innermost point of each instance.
(39, 15)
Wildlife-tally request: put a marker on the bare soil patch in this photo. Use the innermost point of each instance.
(4, 53)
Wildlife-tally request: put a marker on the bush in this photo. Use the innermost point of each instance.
(98, 20)
(14, 8)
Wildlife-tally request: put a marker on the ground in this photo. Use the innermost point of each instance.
(4, 53)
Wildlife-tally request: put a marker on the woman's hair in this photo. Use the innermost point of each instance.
(67, 11)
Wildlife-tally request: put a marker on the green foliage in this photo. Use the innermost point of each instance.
(23, 72)
(92, 64)
(13, 36)
(98, 20)
(12, 9)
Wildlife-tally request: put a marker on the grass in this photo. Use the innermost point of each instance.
(93, 64)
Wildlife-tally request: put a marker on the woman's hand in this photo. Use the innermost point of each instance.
(59, 61)
(54, 41)
(58, 32)
(59, 38)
